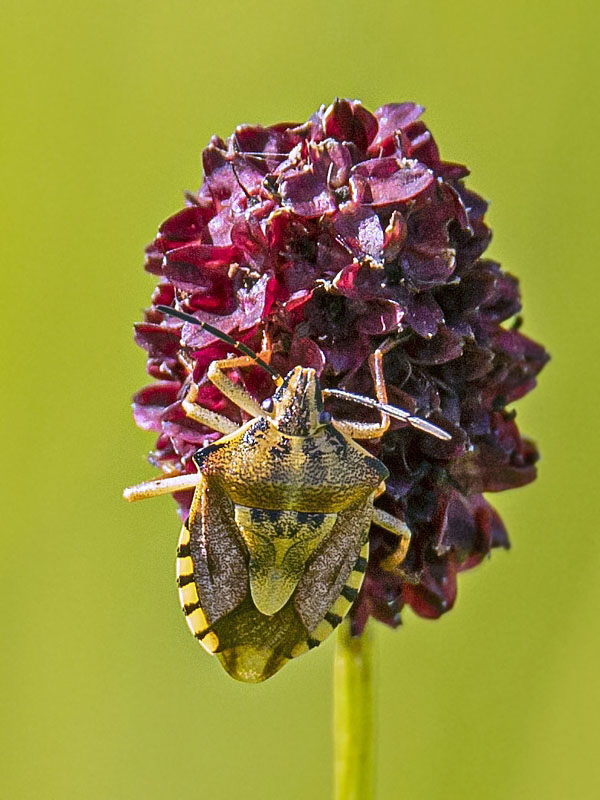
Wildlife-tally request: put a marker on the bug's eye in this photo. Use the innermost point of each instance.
(267, 405)
(324, 418)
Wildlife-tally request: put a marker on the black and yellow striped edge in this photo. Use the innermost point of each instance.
(339, 609)
(188, 595)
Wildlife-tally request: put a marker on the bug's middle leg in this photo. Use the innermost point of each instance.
(399, 529)
(203, 415)
(236, 393)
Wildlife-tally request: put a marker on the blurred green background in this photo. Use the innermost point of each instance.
(106, 106)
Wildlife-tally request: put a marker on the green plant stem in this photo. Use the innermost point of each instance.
(353, 715)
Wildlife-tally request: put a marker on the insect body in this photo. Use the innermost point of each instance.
(275, 547)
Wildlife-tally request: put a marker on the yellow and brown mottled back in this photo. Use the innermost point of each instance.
(260, 466)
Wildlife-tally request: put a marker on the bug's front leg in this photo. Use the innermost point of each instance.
(179, 483)
(371, 430)
(399, 529)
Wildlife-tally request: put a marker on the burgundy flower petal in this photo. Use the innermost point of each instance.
(188, 225)
(307, 353)
(428, 269)
(360, 281)
(498, 460)
(157, 340)
(149, 403)
(250, 308)
(307, 194)
(270, 145)
(436, 591)
(445, 346)
(419, 143)
(361, 232)
(349, 121)
(422, 313)
(231, 177)
(337, 161)
(381, 181)
(198, 265)
(310, 191)
(393, 118)
(395, 236)
(380, 317)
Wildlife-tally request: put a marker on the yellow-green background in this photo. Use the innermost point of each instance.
(106, 106)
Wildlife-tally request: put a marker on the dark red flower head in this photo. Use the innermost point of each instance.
(333, 236)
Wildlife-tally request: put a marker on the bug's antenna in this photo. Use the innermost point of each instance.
(391, 411)
(243, 348)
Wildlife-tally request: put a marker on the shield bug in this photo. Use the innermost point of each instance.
(274, 551)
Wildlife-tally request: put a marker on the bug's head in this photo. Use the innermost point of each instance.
(296, 408)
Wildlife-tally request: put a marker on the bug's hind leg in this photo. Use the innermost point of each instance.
(399, 529)
(179, 483)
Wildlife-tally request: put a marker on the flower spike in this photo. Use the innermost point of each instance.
(334, 235)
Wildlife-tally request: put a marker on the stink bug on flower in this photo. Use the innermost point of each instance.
(274, 551)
